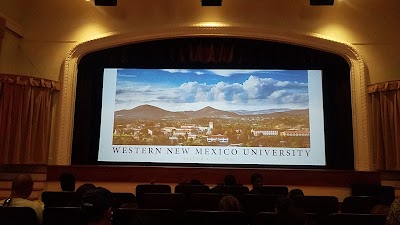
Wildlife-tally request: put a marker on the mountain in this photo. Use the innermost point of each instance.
(210, 112)
(153, 112)
(258, 112)
(148, 112)
(296, 112)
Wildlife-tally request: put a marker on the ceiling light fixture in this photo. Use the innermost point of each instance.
(105, 2)
(322, 2)
(211, 2)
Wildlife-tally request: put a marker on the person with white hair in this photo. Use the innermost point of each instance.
(21, 189)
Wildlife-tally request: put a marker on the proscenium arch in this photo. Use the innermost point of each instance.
(359, 99)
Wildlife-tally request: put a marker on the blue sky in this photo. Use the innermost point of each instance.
(184, 89)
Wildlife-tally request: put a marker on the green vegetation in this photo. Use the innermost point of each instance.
(238, 130)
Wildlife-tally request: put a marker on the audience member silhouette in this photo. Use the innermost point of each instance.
(81, 190)
(256, 180)
(230, 180)
(229, 203)
(21, 189)
(67, 181)
(96, 207)
(382, 206)
(288, 213)
(393, 217)
(195, 182)
(296, 195)
(295, 192)
(380, 209)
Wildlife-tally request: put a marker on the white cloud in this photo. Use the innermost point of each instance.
(291, 84)
(253, 94)
(228, 73)
(127, 75)
(176, 70)
(278, 94)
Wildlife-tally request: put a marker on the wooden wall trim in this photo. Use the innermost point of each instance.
(146, 174)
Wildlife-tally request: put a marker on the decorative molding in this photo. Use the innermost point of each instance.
(2, 27)
(12, 25)
(360, 105)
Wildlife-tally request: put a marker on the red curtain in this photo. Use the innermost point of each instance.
(25, 116)
(385, 100)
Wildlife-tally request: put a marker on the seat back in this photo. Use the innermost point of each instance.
(60, 199)
(62, 216)
(271, 218)
(365, 189)
(265, 218)
(124, 199)
(200, 217)
(256, 203)
(319, 204)
(271, 190)
(150, 188)
(205, 201)
(189, 189)
(125, 216)
(173, 201)
(18, 216)
(358, 204)
(386, 194)
(238, 190)
(352, 219)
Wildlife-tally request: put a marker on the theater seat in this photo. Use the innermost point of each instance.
(265, 218)
(359, 204)
(386, 194)
(270, 218)
(319, 204)
(200, 217)
(271, 190)
(62, 216)
(205, 201)
(354, 219)
(124, 199)
(60, 199)
(236, 190)
(150, 188)
(145, 217)
(18, 216)
(189, 189)
(173, 201)
(255, 203)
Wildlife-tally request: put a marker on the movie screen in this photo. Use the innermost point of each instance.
(212, 117)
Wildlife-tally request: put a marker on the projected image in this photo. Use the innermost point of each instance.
(217, 117)
(244, 108)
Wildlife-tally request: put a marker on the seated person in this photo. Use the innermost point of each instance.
(256, 182)
(195, 182)
(81, 190)
(67, 182)
(289, 214)
(229, 180)
(296, 195)
(96, 207)
(21, 189)
(229, 203)
(393, 217)
(295, 192)
(380, 209)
